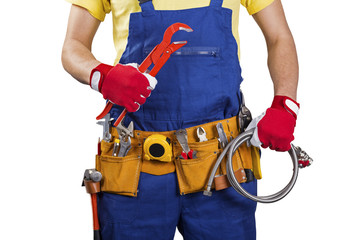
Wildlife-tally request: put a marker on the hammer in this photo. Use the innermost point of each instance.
(91, 182)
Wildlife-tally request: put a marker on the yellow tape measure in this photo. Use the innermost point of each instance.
(158, 147)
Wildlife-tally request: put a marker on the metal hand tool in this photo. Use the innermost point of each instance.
(182, 138)
(124, 137)
(106, 127)
(91, 182)
(158, 57)
(222, 136)
(124, 146)
(201, 134)
(244, 116)
(93, 175)
(116, 147)
(125, 131)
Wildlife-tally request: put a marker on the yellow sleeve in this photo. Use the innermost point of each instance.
(97, 8)
(254, 6)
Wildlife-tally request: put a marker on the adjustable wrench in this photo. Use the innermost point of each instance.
(124, 137)
(158, 57)
(106, 127)
(124, 146)
(125, 131)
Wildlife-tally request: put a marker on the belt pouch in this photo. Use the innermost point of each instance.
(193, 174)
(120, 174)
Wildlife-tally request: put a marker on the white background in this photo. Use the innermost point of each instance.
(49, 135)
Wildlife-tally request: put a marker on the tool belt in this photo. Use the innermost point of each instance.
(121, 174)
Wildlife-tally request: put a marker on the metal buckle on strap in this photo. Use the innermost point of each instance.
(143, 1)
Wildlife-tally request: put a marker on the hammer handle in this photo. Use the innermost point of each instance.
(95, 217)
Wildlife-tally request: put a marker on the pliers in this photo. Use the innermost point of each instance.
(189, 155)
(158, 56)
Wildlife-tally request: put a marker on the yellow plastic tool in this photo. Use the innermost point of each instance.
(158, 147)
(256, 162)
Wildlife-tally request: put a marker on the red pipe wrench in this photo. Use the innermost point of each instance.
(158, 56)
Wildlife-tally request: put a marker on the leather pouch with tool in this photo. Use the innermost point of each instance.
(121, 174)
(193, 174)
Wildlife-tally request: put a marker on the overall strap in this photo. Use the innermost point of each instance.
(215, 3)
(146, 5)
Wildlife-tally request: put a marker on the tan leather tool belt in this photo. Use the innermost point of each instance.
(121, 174)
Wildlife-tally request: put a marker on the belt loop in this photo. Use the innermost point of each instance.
(216, 3)
(146, 5)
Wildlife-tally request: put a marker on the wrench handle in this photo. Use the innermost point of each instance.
(109, 105)
(106, 110)
(120, 118)
(158, 57)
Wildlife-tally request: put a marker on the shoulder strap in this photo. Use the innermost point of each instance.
(146, 5)
(216, 3)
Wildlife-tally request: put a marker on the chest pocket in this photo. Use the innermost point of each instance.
(191, 77)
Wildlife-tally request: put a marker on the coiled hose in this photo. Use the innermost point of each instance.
(230, 150)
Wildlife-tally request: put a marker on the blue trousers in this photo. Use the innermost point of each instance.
(159, 209)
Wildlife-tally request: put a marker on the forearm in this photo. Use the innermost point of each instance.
(78, 60)
(282, 57)
(283, 66)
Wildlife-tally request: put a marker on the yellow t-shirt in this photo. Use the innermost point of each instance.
(121, 10)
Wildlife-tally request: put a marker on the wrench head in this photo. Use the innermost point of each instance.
(106, 123)
(173, 28)
(125, 131)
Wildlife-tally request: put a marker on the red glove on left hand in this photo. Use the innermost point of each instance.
(275, 127)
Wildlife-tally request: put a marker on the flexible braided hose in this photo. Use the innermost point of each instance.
(230, 150)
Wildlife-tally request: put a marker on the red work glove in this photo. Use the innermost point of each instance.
(123, 85)
(275, 127)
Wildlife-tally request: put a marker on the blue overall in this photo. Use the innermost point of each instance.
(198, 84)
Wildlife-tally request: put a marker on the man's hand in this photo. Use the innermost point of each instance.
(275, 127)
(123, 85)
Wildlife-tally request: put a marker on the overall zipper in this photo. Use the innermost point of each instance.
(192, 51)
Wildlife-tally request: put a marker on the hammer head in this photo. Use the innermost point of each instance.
(93, 175)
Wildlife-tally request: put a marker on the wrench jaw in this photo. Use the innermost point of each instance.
(175, 46)
(125, 131)
(187, 29)
(161, 53)
(173, 29)
(106, 127)
(166, 55)
(124, 138)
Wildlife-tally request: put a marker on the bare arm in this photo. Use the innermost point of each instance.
(77, 58)
(282, 57)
